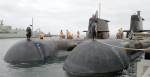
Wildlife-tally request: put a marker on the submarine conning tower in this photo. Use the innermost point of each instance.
(136, 22)
(102, 28)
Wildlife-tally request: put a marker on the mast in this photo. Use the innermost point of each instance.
(32, 26)
(99, 9)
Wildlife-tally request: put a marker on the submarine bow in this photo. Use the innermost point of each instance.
(29, 50)
(95, 57)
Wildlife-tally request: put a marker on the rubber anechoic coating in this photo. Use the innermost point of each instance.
(147, 54)
(22, 51)
(93, 57)
(29, 50)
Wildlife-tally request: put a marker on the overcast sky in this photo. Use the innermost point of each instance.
(56, 15)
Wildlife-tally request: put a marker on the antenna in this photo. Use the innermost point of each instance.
(99, 9)
(32, 27)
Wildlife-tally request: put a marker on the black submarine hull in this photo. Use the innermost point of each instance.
(29, 50)
(38, 50)
(87, 57)
(94, 57)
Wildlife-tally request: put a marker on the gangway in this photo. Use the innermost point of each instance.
(140, 65)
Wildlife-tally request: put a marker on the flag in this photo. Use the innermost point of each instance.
(96, 16)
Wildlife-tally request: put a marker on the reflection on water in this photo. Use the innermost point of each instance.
(37, 63)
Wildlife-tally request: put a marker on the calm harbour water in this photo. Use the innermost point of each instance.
(52, 68)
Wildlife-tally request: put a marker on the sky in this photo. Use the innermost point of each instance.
(73, 15)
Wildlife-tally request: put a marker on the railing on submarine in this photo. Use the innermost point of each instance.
(141, 34)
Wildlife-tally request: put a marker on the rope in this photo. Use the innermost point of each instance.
(113, 47)
(123, 47)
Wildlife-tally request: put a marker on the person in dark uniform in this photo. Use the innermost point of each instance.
(93, 32)
(28, 30)
(94, 28)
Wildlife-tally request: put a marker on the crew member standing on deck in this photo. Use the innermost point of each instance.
(92, 15)
(94, 30)
(121, 31)
(61, 34)
(117, 35)
(41, 36)
(67, 34)
(29, 34)
(71, 36)
(78, 33)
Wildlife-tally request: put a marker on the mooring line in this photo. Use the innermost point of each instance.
(123, 47)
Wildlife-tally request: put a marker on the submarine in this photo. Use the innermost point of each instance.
(30, 50)
(86, 56)
(34, 50)
(136, 25)
(106, 56)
